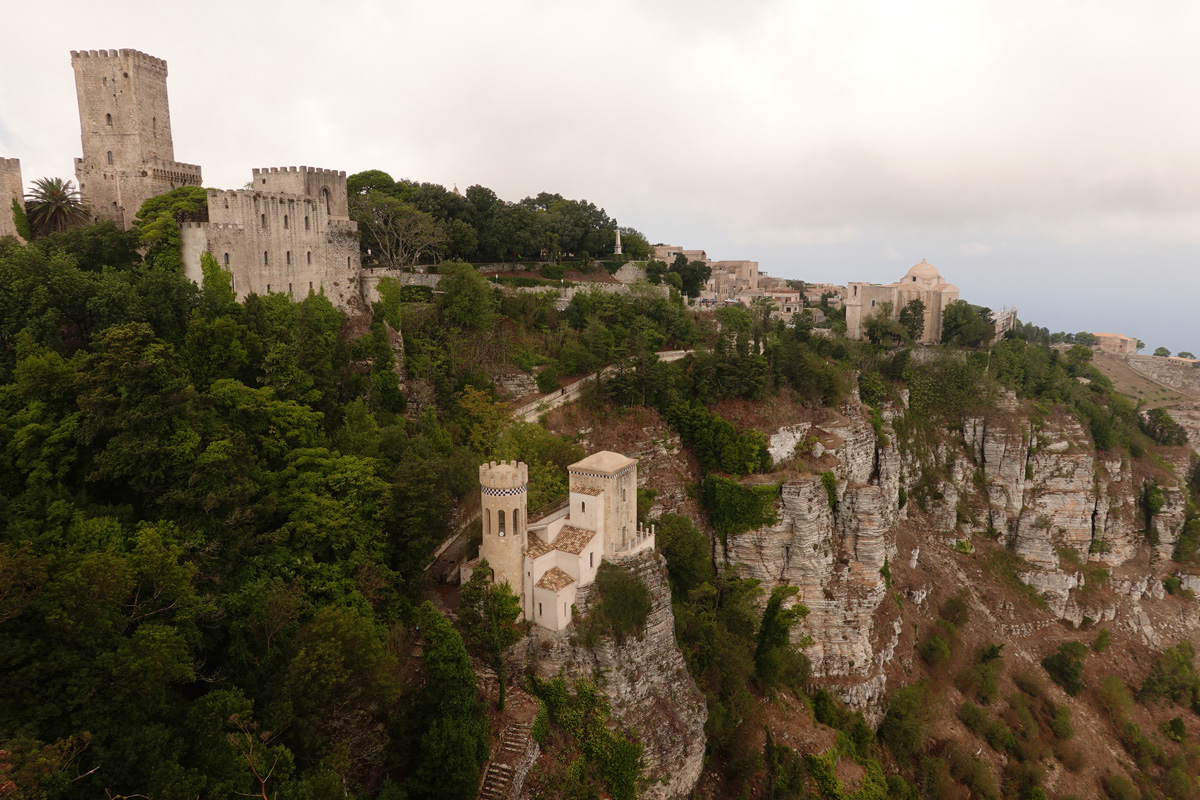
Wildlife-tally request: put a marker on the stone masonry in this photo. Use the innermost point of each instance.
(291, 233)
(125, 125)
(11, 189)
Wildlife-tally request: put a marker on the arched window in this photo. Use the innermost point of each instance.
(263, 218)
(487, 521)
(227, 259)
(308, 255)
(500, 523)
(110, 156)
(325, 199)
(108, 119)
(154, 123)
(306, 222)
(289, 257)
(285, 222)
(516, 531)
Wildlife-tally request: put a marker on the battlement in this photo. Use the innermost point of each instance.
(276, 196)
(175, 166)
(219, 226)
(332, 173)
(503, 475)
(10, 163)
(133, 56)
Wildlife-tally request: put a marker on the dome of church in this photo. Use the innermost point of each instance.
(922, 271)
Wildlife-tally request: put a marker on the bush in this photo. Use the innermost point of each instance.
(907, 719)
(623, 607)
(1173, 676)
(1103, 640)
(1114, 698)
(956, 610)
(1060, 724)
(1174, 729)
(547, 380)
(935, 652)
(1118, 787)
(1171, 584)
(980, 681)
(825, 710)
(829, 481)
(553, 272)
(1065, 667)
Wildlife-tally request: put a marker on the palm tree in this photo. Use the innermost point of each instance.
(55, 205)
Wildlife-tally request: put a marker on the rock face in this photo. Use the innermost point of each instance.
(645, 680)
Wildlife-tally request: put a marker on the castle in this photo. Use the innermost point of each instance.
(11, 188)
(290, 233)
(125, 124)
(547, 561)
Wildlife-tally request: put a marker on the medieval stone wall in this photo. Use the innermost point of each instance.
(11, 188)
(125, 127)
(328, 186)
(276, 243)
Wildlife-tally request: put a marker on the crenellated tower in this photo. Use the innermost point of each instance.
(125, 125)
(503, 503)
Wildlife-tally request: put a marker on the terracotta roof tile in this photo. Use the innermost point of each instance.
(572, 540)
(537, 548)
(555, 579)
(588, 491)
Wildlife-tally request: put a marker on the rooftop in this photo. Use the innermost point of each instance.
(555, 579)
(572, 540)
(590, 492)
(605, 461)
(537, 548)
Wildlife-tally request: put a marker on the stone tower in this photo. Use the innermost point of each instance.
(503, 499)
(617, 251)
(125, 125)
(11, 189)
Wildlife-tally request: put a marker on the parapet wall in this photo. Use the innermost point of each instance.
(503, 475)
(133, 56)
(328, 186)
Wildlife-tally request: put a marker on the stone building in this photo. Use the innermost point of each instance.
(291, 233)
(11, 188)
(548, 560)
(667, 253)
(728, 279)
(922, 282)
(1115, 343)
(125, 125)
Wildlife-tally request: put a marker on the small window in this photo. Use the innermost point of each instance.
(154, 123)
(227, 259)
(264, 180)
(514, 521)
(582, 506)
(872, 304)
(308, 255)
(263, 218)
(289, 290)
(500, 522)
(539, 609)
(227, 202)
(266, 257)
(306, 223)
(591, 559)
(285, 222)
(268, 288)
(108, 118)
(310, 286)
(289, 257)
(914, 278)
(110, 159)
(347, 262)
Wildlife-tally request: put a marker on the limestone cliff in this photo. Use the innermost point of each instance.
(645, 680)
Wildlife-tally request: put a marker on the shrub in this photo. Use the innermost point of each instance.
(980, 681)
(1114, 698)
(547, 380)
(541, 724)
(1103, 640)
(935, 652)
(906, 721)
(623, 606)
(974, 717)
(956, 610)
(553, 272)
(829, 481)
(1065, 667)
(1172, 676)
(825, 710)
(1060, 723)
(1118, 787)
(1171, 584)
(1174, 729)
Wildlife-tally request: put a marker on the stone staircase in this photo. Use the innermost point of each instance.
(501, 770)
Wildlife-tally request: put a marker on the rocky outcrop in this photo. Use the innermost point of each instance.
(645, 680)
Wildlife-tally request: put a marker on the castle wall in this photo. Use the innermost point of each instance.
(327, 185)
(125, 127)
(11, 188)
(276, 243)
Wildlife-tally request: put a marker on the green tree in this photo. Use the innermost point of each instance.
(1162, 352)
(1186, 354)
(488, 618)
(467, 300)
(396, 233)
(967, 325)
(54, 205)
(775, 658)
(455, 743)
(912, 318)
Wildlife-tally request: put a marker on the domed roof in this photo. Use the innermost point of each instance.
(923, 270)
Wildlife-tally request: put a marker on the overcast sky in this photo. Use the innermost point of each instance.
(1040, 154)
